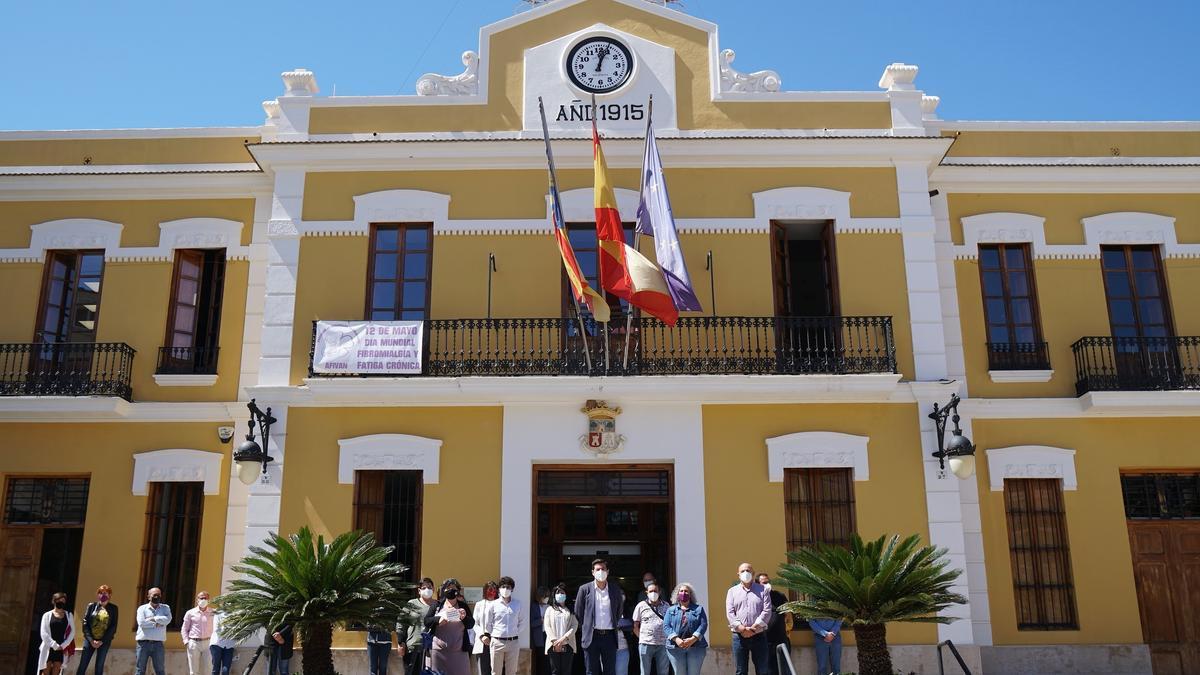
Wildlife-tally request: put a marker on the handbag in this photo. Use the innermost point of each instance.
(427, 647)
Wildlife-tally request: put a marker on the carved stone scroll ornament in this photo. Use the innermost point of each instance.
(464, 84)
(762, 81)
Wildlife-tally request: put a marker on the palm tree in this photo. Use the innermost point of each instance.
(869, 585)
(314, 586)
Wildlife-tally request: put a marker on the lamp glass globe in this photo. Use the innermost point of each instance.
(247, 472)
(962, 466)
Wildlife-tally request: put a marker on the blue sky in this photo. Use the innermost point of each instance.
(72, 64)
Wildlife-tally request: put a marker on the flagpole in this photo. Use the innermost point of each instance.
(587, 350)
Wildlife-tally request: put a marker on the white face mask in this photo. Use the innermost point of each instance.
(506, 592)
(652, 596)
(202, 603)
(427, 593)
(746, 577)
(561, 598)
(601, 575)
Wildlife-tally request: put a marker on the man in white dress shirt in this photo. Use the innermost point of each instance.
(503, 622)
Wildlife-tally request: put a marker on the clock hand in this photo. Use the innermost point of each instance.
(600, 61)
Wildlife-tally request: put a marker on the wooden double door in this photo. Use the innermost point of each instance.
(1166, 564)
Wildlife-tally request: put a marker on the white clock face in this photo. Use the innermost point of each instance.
(599, 65)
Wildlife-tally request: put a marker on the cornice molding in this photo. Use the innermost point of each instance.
(385, 452)
(1117, 228)
(817, 449)
(177, 465)
(91, 233)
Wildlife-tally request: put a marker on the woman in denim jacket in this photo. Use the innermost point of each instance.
(685, 624)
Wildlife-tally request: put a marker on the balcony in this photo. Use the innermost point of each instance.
(66, 369)
(187, 360)
(1018, 356)
(1106, 363)
(694, 346)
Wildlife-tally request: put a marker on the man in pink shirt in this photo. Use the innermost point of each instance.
(748, 608)
(197, 629)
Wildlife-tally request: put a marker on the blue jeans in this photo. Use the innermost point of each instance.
(622, 662)
(600, 657)
(377, 657)
(154, 651)
(829, 655)
(101, 653)
(745, 648)
(278, 665)
(687, 661)
(222, 659)
(656, 654)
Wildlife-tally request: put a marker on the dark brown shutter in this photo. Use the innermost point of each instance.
(818, 506)
(1041, 554)
(388, 505)
(171, 552)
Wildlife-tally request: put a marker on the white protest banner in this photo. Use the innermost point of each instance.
(361, 347)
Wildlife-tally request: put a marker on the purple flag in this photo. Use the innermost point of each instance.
(654, 218)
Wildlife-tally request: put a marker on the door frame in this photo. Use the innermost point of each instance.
(537, 501)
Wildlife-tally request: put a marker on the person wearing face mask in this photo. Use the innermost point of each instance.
(99, 627)
(598, 606)
(647, 579)
(196, 632)
(58, 637)
(777, 626)
(152, 621)
(648, 624)
(684, 626)
(503, 623)
(748, 608)
(220, 647)
(560, 625)
(410, 645)
(537, 632)
(449, 622)
(482, 653)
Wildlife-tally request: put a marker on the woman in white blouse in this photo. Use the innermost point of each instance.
(560, 625)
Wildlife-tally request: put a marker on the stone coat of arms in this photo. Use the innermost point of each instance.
(601, 437)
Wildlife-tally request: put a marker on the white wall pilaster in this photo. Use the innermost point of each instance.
(283, 260)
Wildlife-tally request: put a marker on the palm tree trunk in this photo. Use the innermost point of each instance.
(318, 650)
(873, 655)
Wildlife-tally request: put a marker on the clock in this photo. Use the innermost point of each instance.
(599, 65)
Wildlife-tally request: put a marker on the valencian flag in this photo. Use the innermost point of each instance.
(654, 218)
(579, 285)
(624, 272)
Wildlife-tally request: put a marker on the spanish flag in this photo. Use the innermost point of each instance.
(624, 271)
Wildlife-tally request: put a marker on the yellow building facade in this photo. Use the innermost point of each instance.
(857, 259)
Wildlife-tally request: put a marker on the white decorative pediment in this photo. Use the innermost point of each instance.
(1031, 461)
(817, 450)
(465, 83)
(177, 466)
(1129, 228)
(1003, 228)
(758, 82)
(401, 206)
(389, 452)
(579, 205)
(199, 233)
(803, 203)
(73, 233)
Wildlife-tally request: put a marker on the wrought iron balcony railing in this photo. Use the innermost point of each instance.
(1106, 363)
(1018, 356)
(694, 346)
(187, 360)
(66, 369)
